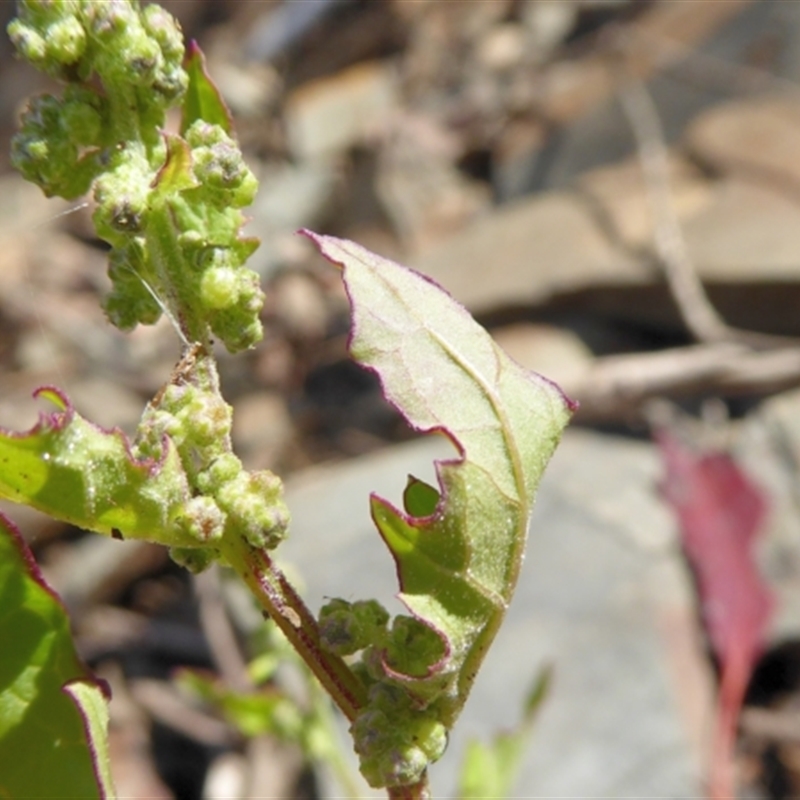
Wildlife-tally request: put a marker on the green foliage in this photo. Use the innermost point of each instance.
(169, 206)
(203, 100)
(74, 471)
(53, 717)
(458, 552)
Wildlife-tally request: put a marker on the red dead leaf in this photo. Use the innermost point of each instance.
(720, 511)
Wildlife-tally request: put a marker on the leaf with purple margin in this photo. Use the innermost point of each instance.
(459, 558)
(53, 713)
(79, 473)
(203, 99)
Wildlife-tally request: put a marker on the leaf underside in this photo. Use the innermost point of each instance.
(53, 715)
(458, 562)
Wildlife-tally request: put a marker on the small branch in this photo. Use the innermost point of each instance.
(281, 602)
(222, 640)
(700, 316)
(617, 386)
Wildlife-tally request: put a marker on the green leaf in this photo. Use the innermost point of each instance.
(84, 475)
(419, 498)
(53, 714)
(202, 100)
(457, 566)
(489, 771)
(176, 174)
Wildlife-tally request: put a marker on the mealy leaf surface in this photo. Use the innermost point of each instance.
(79, 473)
(458, 564)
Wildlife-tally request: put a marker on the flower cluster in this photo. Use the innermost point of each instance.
(169, 205)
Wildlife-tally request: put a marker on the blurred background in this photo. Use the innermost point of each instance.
(612, 187)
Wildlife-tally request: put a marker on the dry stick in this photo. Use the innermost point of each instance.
(222, 639)
(616, 386)
(700, 316)
(729, 358)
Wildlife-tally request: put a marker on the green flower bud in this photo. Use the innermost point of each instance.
(218, 165)
(256, 508)
(66, 41)
(430, 736)
(204, 134)
(110, 18)
(402, 766)
(386, 748)
(208, 418)
(221, 470)
(30, 45)
(193, 242)
(129, 305)
(122, 197)
(81, 115)
(177, 396)
(219, 288)
(195, 559)
(44, 152)
(144, 62)
(413, 647)
(202, 519)
(163, 27)
(346, 628)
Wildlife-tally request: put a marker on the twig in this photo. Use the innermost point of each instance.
(283, 605)
(616, 386)
(686, 24)
(700, 316)
(219, 632)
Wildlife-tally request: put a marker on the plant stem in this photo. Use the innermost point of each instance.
(281, 602)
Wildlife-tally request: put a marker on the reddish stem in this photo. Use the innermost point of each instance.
(281, 602)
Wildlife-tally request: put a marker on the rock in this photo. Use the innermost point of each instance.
(424, 194)
(549, 23)
(748, 234)
(759, 137)
(291, 196)
(502, 47)
(262, 428)
(769, 447)
(106, 402)
(603, 596)
(528, 252)
(622, 197)
(327, 116)
(299, 305)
